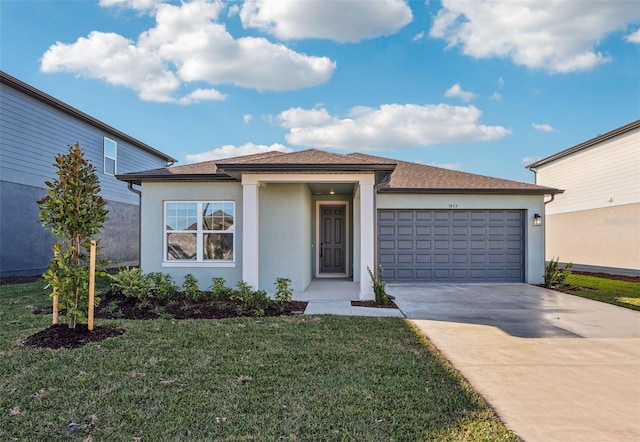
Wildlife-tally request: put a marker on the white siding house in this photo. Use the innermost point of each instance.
(595, 223)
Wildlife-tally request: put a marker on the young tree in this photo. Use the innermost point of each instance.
(75, 213)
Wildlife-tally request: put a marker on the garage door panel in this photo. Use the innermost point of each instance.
(451, 245)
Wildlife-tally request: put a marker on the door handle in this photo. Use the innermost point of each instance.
(321, 250)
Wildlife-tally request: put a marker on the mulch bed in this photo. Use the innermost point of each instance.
(61, 336)
(117, 306)
(389, 304)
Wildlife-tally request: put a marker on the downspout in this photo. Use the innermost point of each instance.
(139, 193)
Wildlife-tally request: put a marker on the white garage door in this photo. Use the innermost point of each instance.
(451, 245)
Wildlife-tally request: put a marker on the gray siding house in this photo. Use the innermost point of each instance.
(34, 127)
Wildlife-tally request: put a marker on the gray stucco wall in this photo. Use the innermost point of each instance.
(152, 258)
(26, 247)
(285, 235)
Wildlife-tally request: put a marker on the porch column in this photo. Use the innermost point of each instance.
(250, 233)
(367, 237)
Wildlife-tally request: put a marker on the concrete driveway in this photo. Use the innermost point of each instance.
(554, 367)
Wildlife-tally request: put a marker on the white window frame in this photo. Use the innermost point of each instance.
(105, 156)
(199, 261)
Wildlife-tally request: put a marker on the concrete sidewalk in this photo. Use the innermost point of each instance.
(344, 308)
(554, 367)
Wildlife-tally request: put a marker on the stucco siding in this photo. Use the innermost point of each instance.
(604, 175)
(285, 248)
(605, 237)
(26, 247)
(152, 229)
(531, 204)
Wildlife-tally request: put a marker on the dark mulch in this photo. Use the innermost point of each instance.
(389, 304)
(117, 306)
(61, 336)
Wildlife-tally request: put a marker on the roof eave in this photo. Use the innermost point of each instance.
(475, 191)
(200, 177)
(284, 168)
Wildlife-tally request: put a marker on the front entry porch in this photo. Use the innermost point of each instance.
(330, 290)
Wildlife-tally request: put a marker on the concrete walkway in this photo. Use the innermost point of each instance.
(554, 367)
(334, 296)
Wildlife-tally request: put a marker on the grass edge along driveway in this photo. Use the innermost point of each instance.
(621, 293)
(289, 378)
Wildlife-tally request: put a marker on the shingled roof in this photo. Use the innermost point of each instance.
(405, 177)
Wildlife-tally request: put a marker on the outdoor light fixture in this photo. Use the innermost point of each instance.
(332, 192)
(537, 220)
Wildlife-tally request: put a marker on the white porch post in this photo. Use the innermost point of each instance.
(250, 233)
(367, 237)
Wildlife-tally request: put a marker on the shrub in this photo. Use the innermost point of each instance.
(191, 288)
(378, 286)
(130, 282)
(256, 300)
(284, 292)
(553, 275)
(162, 284)
(218, 289)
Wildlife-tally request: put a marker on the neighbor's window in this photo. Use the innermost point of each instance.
(199, 231)
(110, 155)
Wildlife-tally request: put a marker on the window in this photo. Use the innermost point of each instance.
(110, 155)
(199, 231)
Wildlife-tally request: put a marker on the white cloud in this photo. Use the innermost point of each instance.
(391, 126)
(451, 166)
(247, 118)
(558, 36)
(186, 45)
(495, 97)
(140, 5)
(457, 91)
(543, 127)
(530, 160)
(343, 21)
(634, 37)
(500, 82)
(419, 36)
(229, 150)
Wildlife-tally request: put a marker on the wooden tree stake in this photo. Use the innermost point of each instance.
(55, 301)
(92, 282)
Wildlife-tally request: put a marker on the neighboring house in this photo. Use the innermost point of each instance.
(314, 214)
(595, 223)
(34, 127)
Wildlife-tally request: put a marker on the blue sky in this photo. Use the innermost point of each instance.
(479, 86)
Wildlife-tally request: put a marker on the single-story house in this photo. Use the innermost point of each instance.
(34, 128)
(314, 214)
(595, 223)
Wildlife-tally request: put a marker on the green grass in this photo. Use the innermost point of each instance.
(622, 293)
(302, 378)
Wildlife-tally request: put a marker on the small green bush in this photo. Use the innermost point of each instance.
(284, 292)
(255, 300)
(191, 287)
(162, 285)
(379, 286)
(130, 282)
(553, 275)
(219, 290)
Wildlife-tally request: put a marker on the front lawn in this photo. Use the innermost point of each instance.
(622, 293)
(286, 378)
